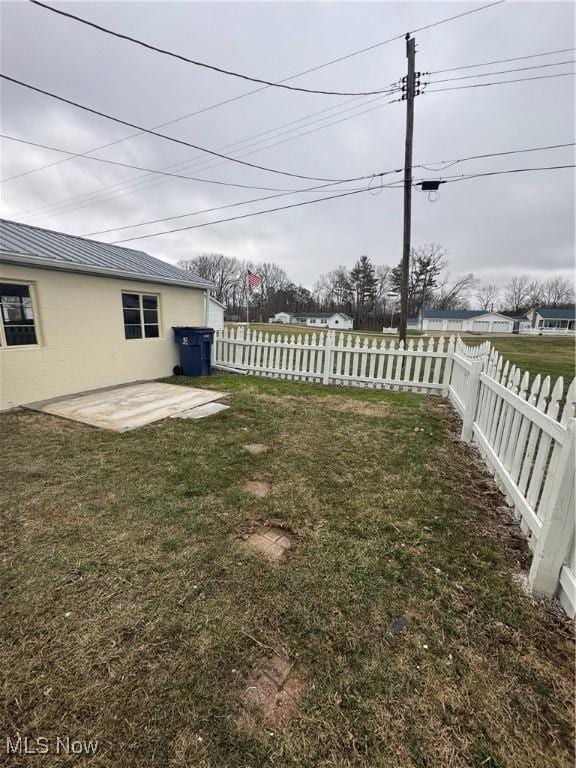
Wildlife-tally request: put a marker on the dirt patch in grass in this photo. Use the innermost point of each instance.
(257, 486)
(256, 448)
(272, 541)
(130, 612)
(271, 695)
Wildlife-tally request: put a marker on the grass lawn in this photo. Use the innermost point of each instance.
(547, 355)
(133, 614)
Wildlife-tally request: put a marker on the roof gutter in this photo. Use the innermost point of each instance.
(10, 257)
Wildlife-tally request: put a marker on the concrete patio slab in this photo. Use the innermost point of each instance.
(127, 407)
(201, 411)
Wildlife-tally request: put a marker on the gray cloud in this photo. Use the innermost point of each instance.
(496, 227)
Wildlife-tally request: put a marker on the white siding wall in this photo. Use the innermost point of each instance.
(80, 331)
(215, 315)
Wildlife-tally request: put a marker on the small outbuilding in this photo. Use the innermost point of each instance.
(78, 314)
(215, 314)
(334, 320)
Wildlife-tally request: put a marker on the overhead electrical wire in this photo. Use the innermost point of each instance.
(221, 70)
(135, 167)
(205, 210)
(396, 185)
(499, 82)
(450, 163)
(246, 94)
(503, 71)
(87, 153)
(102, 198)
(165, 136)
(502, 61)
(465, 177)
(247, 215)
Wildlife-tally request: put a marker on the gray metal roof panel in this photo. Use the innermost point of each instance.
(71, 251)
(554, 313)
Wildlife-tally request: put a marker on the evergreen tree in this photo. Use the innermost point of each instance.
(364, 284)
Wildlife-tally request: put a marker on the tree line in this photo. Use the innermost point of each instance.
(370, 293)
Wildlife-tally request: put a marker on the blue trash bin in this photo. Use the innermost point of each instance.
(195, 347)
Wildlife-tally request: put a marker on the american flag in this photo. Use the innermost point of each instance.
(254, 280)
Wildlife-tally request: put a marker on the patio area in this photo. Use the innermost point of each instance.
(313, 577)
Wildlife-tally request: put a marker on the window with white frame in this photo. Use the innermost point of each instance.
(17, 313)
(140, 316)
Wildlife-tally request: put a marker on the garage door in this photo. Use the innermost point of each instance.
(501, 326)
(434, 323)
(481, 326)
(454, 325)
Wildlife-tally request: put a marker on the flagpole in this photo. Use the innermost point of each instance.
(247, 298)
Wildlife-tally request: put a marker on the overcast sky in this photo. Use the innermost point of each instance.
(496, 227)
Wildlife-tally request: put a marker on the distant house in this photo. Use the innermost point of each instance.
(550, 320)
(337, 320)
(465, 320)
(77, 314)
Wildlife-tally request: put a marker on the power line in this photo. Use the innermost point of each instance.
(492, 154)
(104, 198)
(310, 189)
(129, 165)
(503, 71)
(465, 177)
(165, 136)
(394, 185)
(228, 72)
(502, 61)
(246, 94)
(243, 216)
(205, 210)
(201, 64)
(498, 82)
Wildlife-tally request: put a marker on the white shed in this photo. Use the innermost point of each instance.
(215, 314)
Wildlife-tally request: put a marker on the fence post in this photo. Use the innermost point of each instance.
(327, 357)
(448, 367)
(213, 348)
(471, 400)
(557, 523)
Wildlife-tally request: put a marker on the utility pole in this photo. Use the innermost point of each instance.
(410, 93)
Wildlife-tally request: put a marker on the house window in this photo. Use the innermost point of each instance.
(140, 316)
(323, 321)
(313, 320)
(17, 315)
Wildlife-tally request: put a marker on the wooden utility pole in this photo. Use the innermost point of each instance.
(410, 93)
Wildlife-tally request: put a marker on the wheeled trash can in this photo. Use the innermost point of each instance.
(195, 347)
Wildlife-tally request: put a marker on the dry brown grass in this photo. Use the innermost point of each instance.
(135, 614)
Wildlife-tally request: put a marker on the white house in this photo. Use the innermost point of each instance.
(465, 320)
(550, 321)
(336, 320)
(77, 314)
(215, 314)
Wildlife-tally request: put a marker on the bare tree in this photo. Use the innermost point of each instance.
(223, 271)
(557, 291)
(518, 294)
(487, 296)
(454, 295)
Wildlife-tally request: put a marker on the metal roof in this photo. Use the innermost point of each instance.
(553, 313)
(24, 244)
(316, 314)
(455, 314)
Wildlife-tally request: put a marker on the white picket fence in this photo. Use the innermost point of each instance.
(522, 431)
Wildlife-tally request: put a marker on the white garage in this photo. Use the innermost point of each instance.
(465, 321)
